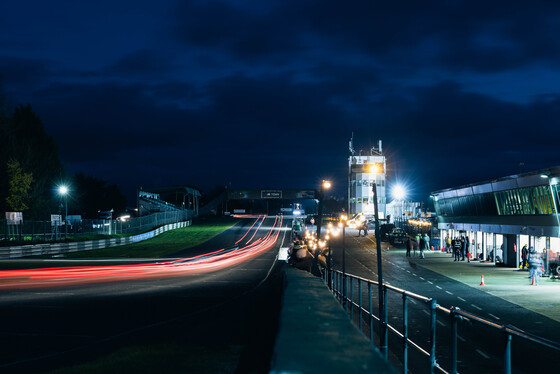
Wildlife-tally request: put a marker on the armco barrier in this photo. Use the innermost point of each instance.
(61, 248)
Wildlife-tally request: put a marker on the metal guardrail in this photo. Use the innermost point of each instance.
(342, 286)
(69, 247)
(44, 231)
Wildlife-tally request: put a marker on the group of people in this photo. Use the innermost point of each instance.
(305, 254)
(422, 243)
(458, 247)
(533, 261)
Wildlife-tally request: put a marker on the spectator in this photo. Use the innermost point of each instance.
(536, 265)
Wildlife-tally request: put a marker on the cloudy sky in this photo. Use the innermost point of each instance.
(267, 93)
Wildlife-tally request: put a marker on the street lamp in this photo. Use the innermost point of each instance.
(342, 223)
(324, 185)
(551, 182)
(63, 190)
(382, 317)
(399, 193)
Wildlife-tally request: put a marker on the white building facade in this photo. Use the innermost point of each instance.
(363, 172)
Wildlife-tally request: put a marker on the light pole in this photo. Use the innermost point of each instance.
(315, 266)
(399, 193)
(342, 223)
(63, 190)
(325, 185)
(552, 195)
(382, 321)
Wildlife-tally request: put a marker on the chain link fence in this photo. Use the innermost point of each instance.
(39, 231)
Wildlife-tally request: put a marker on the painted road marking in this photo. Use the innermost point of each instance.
(412, 301)
(482, 353)
(448, 292)
(440, 323)
(493, 316)
(460, 298)
(422, 278)
(425, 311)
(438, 287)
(477, 307)
(414, 274)
(461, 338)
(408, 271)
(430, 282)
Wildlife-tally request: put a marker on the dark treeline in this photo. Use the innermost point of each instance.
(30, 171)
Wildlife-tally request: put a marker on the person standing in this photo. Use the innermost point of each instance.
(468, 254)
(408, 247)
(524, 256)
(421, 246)
(535, 265)
(462, 248)
(448, 244)
(457, 249)
(427, 240)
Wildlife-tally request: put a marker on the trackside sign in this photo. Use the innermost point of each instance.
(271, 194)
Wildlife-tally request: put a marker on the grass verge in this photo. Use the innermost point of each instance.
(165, 244)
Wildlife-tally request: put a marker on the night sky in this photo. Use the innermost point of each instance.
(255, 94)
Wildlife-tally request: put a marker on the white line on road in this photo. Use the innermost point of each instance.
(430, 282)
(448, 292)
(438, 287)
(477, 307)
(425, 311)
(414, 274)
(460, 298)
(482, 353)
(422, 278)
(408, 271)
(412, 301)
(461, 338)
(440, 323)
(493, 316)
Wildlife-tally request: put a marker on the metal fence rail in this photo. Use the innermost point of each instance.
(344, 285)
(44, 231)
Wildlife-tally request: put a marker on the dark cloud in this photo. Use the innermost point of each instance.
(473, 35)
(268, 93)
(143, 62)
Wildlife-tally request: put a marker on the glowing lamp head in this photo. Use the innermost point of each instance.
(326, 185)
(375, 168)
(399, 192)
(63, 190)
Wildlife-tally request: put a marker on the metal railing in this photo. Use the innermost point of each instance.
(44, 231)
(344, 286)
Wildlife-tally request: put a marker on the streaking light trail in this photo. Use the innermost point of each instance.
(220, 259)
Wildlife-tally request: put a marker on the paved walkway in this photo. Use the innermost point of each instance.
(315, 334)
(506, 283)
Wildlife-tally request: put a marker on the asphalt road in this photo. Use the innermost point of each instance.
(206, 319)
(480, 348)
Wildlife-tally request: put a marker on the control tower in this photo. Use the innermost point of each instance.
(363, 171)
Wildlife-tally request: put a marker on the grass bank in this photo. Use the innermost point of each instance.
(164, 244)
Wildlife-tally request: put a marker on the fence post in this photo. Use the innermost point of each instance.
(507, 352)
(385, 335)
(433, 306)
(370, 313)
(350, 304)
(453, 341)
(405, 333)
(360, 303)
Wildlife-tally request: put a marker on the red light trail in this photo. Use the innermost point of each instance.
(220, 259)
